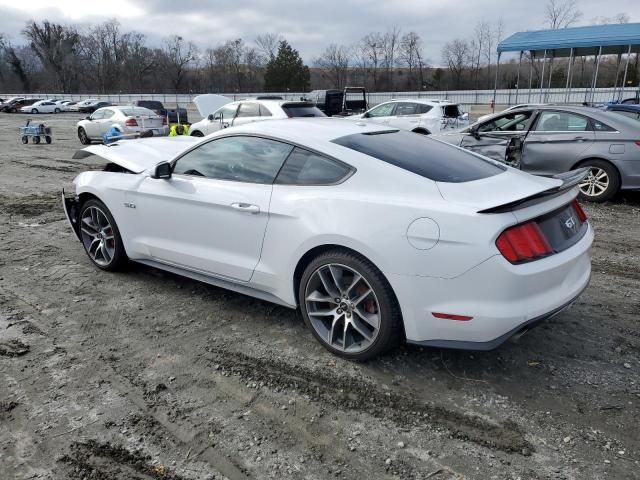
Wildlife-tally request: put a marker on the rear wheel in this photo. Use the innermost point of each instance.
(47, 139)
(349, 305)
(84, 138)
(197, 133)
(25, 139)
(57, 110)
(34, 110)
(602, 183)
(422, 131)
(36, 139)
(100, 236)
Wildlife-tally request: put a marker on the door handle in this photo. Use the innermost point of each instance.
(246, 207)
(580, 139)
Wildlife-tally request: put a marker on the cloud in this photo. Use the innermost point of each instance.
(309, 26)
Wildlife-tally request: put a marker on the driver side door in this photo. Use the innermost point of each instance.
(222, 118)
(211, 215)
(92, 127)
(496, 137)
(381, 114)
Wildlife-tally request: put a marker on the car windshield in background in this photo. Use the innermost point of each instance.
(301, 110)
(150, 104)
(426, 157)
(451, 111)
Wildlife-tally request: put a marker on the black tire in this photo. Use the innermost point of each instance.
(47, 139)
(197, 133)
(391, 331)
(34, 110)
(57, 110)
(84, 138)
(36, 140)
(119, 259)
(613, 181)
(422, 131)
(25, 139)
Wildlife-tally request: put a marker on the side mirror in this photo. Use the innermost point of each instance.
(88, 117)
(210, 117)
(366, 115)
(162, 170)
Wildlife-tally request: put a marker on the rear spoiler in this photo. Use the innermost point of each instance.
(569, 180)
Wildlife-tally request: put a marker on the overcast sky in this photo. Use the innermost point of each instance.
(308, 25)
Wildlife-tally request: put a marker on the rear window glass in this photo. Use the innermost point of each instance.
(307, 168)
(451, 111)
(133, 111)
(301, 110)
(151, 104)
(421, 155)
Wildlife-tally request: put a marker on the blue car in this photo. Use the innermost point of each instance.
(626, 109)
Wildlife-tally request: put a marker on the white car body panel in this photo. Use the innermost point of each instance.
(105, 118)
(188, 225)
(43, 106)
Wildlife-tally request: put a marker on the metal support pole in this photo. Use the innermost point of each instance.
(615, 84)
(495, 84)
(595, 75)
(568, 85)
(626, 69)
(518, 78)
(546, 95)
(530, 75)
(544, 63)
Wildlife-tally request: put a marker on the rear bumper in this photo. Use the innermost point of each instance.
(502, 298)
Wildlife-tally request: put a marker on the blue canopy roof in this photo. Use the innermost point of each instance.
(613, 39)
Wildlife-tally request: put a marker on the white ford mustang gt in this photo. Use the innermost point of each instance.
(376, 234)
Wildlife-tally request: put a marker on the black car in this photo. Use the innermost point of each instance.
(92, 107)
(16, 105)
(174, 115)
(627, 109)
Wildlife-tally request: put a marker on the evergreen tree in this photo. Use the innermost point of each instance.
(286, 71)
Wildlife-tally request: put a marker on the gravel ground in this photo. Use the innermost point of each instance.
(145, 374)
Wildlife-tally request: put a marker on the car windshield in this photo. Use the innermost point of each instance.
(301, 110)
(421, 155)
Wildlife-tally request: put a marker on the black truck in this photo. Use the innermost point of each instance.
(339, 103)
(177, 115)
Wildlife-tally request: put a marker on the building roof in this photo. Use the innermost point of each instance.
(613, 39)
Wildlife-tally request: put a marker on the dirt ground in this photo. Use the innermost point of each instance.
(147, 375)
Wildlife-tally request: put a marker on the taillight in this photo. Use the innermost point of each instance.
(164, 120)
(637, 142)
(582, 215)
(523, 243)
(131, 122)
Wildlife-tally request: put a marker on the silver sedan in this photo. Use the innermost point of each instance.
(546, 140)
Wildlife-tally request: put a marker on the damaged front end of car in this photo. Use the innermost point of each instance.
(71, 206)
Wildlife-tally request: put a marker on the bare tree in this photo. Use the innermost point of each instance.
(268, 44)
(411, 55)
(335, 62)
(456, 55)
(561, 13)
(177, 56)
(618, 18)
(370, 55)
(390, 44)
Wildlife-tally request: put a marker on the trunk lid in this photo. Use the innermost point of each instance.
(209, 103)
(139, 155)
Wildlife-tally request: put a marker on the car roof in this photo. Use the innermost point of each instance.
(425, 101)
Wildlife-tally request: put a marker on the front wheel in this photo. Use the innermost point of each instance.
(47, 139)
(100, 236)
(602, 182)
(36, 139)
(25, 139)
(349, 305)
(84, 138)
(57, 110)
(197, 133)
(34, 110)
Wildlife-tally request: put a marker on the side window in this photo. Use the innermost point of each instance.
(598, 126)
(248, 110)
(227, 112)
(561, 122)
(238, 159)
(511, 122)
(98, 115)
(307, 168)
(422, 108)
(107, 113)
(264, 111)
(385, 110)
(406, 108)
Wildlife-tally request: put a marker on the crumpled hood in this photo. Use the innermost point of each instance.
(209, 103)
(140, 155)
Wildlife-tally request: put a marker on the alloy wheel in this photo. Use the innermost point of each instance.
(342, 308)
(595, 183)
(97, 236)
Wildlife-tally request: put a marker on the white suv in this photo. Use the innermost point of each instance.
(251, 110)
(420, 116)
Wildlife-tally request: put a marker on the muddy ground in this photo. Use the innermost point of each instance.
(147, 375)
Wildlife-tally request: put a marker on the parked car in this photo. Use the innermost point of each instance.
(513, 107)
(175, 115)
(626, 109)
(333, 102)
(82, 103)
(42, 106)
(16, 106)
(248, 111)
(6, 105)
(67, 105)
(376, 234)
(547, 140)
(93, 106)
(419, 116)
(128, 120)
